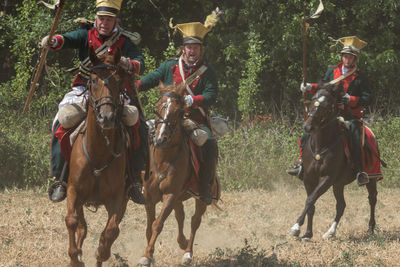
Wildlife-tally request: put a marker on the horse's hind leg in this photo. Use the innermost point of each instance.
(340, 206)
(195, 224)
(372, 197)
(72, 222)
(116, 211)
(180, 217)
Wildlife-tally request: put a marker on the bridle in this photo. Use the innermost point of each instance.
(326, 120)
(164, 120)
(95, 105)
(172, 129)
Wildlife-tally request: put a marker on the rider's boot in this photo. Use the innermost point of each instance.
(58, 189)
(134, 188)
(207, 171)
(297, 169)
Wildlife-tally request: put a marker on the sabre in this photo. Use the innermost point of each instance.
(306, 24)
(43, 56)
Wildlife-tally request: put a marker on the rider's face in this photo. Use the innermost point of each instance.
(105, 24)
(191, 53)
(348, 60)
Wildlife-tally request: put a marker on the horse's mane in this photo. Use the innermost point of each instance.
(173, 88)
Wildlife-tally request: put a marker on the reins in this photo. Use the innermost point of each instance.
(161, 175)
(95, 105)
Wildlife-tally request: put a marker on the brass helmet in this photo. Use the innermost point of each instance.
(108, 7)
(194, 32)
(352, 45)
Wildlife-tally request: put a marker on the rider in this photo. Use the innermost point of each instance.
(357, 96)
(200, 93)
(105, 36)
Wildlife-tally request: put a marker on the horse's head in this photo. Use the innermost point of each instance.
(169, 113)
(105, 87)
(323, 107)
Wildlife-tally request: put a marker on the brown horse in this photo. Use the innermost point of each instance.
(97, 165)
(325, 162)
(170, 170)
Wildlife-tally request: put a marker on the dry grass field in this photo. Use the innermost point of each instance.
(251, 230)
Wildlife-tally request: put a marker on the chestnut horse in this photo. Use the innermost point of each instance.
(98, 158)
(324, 161)
(170, 170)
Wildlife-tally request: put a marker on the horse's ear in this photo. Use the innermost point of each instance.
(92, 56)
(161, 85)
(117, 55)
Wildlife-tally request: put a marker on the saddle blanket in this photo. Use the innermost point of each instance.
(371, 163)
(192, 186)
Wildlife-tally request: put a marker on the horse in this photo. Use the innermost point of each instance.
(325, 162)
(170, 171)
(98, 159)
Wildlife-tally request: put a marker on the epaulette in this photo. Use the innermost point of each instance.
(133, 36)
(85, 23)
(173, 59)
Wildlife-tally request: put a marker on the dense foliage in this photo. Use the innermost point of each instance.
(256, 49)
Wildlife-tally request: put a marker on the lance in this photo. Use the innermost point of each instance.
(43, 56)
(306, 24)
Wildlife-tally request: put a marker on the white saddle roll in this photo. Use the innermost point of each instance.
(70, 115)
(130, 115)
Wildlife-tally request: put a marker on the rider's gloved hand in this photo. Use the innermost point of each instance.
(305, 88)
(126, 64)
(346, 98)
(53, 42)
(188, 100)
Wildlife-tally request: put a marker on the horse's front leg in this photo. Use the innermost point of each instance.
(180, 217)
(372, 197)
(158, 224)
(81, 230)
(71, 221)
(323, 185)
(116, 210)
(340, 206)
(195, 224)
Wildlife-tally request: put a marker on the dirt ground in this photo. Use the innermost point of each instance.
(33, 233)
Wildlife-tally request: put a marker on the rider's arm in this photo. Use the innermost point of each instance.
(153, 79)
(131, 51)
(210, 89)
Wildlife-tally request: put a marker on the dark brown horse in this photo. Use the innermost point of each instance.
(325, 162)
(97, 165)
(170, 170)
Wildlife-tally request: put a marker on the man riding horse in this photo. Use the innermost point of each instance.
(201, 92)
(357, 96)
(104, 36)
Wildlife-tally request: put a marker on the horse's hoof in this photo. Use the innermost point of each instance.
(305, 239)
(295, 230)
(146, 262)
(328, 235)
(187, 258)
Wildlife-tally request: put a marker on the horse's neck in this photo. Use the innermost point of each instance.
(95, 139)
(325, 136)
(174, 146)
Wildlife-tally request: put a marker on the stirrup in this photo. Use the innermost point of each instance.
(297, 169)
(362, 178)
(57, 184)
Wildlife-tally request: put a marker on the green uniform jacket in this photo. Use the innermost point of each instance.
(205, 88)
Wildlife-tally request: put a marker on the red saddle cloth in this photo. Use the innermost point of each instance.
(371, 163)
(192, 186)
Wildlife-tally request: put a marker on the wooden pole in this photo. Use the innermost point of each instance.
(43, 56)
(304, 35)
